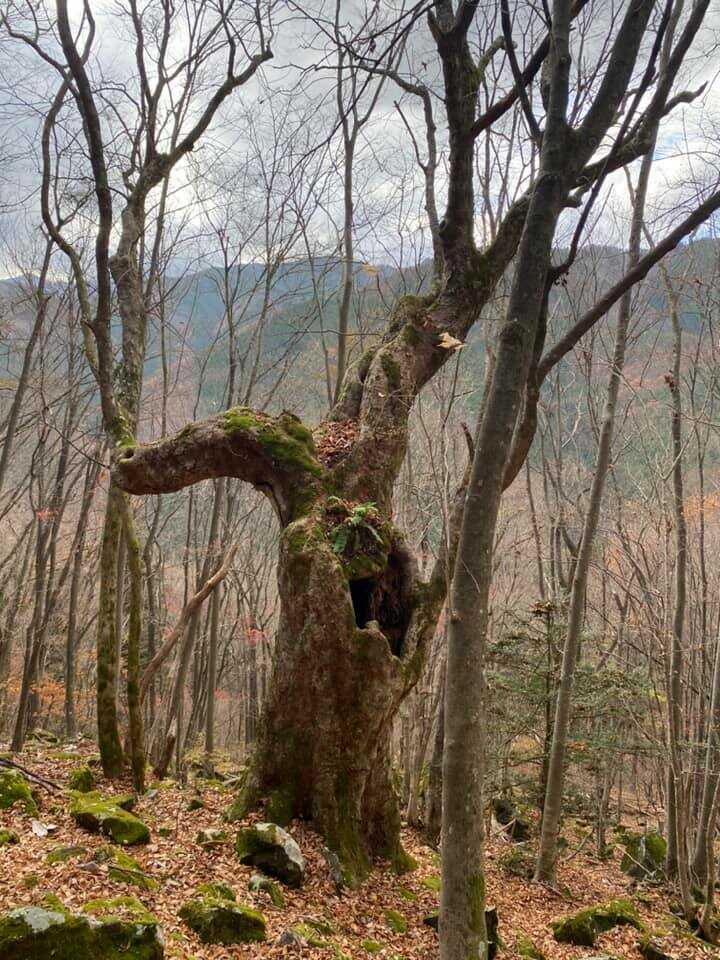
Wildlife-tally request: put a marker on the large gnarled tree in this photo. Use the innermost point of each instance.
(355, 616)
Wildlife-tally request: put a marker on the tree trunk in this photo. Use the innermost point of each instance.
(552, 808)
(75, 584)
(324, 745)
(111, 752)
(433, 812)
(134, 702)
(676, 794)
(711, 777)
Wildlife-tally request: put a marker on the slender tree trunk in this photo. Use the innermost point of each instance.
(9, 626)
(110, 746)
(433, 813)
(462, 906)
(711, 776)
(212, 654)
(677, 813)
(75, 585)
(134, 703)
(552, 808)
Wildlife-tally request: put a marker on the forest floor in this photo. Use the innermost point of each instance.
(358, 918)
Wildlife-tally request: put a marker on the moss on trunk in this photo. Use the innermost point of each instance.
(324, 749)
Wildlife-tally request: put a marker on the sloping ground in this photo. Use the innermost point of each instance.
(359, 924)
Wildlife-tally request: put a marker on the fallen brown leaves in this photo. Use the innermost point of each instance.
(333, 440)
(179, 864)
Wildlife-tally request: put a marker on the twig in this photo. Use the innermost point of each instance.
(28, 773)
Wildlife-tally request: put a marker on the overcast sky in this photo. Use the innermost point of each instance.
(294, 98)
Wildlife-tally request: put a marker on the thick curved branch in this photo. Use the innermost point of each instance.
(275, 454)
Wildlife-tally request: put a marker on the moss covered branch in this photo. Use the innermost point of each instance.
(275, 454)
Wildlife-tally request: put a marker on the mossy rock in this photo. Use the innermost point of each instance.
(109, 816)
(271, 849)
(583, 928)
(396, 921)
(211, 838)
(118, 908)
(64, 854)
(216, 917)
(260, 884)
(14, 788)
(51, 931)
(82, 779)
(644, 856)
(526, 949)
(8, 837)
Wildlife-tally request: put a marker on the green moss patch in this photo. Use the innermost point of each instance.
(14, 788)
(8, 837)
(371, 946)
(432, 883)
(64, 854)
(129, 909)
(396, 921)
(211, 838)
(527, 949)
(518, 861)
(132, 875)
(82, 779)
(583, 928)
(307, 933)
(280, 807)
(260, 884)
(285, 439)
